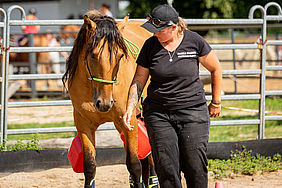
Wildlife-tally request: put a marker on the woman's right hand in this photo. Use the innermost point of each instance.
(127, 120)
(137, 85)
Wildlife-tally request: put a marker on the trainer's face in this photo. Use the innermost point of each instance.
(166, 34)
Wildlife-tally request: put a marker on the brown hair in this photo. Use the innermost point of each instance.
(181, 25)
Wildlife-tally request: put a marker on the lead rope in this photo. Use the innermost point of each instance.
(133, 48)
(141, 106)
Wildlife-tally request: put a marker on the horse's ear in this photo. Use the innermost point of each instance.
(90, 25)
(123, 23)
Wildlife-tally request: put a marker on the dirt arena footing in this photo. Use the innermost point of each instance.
(26, 161)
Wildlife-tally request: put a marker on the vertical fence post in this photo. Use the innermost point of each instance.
(261, 127)
(261, 47)
(32, 64)
(3, 63)
(234, 59)
(6, 79)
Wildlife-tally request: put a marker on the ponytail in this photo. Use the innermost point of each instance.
(181, 25)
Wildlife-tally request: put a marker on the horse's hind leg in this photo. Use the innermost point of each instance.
(145, 171)
(153, 179)
(149, 174)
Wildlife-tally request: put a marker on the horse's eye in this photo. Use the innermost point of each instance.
(93, 56)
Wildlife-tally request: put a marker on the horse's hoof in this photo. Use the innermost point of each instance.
(92, 184)
(153, 182)
(135, 185)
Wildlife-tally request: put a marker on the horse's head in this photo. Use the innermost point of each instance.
(105, 49)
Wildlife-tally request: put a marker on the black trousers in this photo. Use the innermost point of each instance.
(179, 141)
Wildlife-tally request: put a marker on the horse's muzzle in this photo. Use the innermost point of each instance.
(102, 106)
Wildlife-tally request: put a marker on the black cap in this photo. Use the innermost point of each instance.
(164, 13)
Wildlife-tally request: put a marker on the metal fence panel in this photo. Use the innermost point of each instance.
(209, 22)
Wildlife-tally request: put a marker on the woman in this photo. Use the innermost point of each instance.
(175, 110)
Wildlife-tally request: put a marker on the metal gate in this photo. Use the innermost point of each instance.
(261, 45)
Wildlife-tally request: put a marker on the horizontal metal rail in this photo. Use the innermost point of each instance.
(187, 21)
(273, 118)
(235, 72)
(223, 21)
(105, 126)
(40, 49)
(273, 92)
(69, 48)
(46, 22)
(274, 18)
(274, 42)
(59, 76)
(35, 76)
(39, 103)
(233, 46)
(274, 68)
(110, 126)
(68, 102)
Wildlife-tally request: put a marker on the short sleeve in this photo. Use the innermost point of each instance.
(143, 57)
(203, 47)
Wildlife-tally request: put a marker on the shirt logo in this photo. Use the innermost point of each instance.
(187, 54)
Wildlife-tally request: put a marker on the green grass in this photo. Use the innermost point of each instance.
(271, 104)
(273, 129)
(41, 136)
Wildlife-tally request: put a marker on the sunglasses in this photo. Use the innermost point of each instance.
(157, 22)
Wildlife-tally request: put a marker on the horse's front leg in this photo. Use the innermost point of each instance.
(132, 161)
(89, 162)
(86, 131)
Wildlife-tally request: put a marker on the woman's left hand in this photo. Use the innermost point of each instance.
(214, 110)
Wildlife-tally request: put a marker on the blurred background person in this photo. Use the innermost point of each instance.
(53, 41)
(105, 8)
(29, 28)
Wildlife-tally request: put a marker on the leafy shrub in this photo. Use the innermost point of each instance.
(242, 162)
(20, 145)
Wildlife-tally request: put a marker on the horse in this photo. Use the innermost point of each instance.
(98, 75)
(69, 33)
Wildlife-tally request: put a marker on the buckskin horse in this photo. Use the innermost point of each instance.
(98, 75)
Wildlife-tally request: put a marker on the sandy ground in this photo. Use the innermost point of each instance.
(116, 176)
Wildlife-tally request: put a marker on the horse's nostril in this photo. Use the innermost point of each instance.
(98, 103)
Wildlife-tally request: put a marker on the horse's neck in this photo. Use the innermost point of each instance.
(135, 33)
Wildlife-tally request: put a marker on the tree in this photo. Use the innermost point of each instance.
(141, 8)
(200, 8)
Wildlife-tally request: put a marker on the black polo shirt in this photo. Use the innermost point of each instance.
(174, 85)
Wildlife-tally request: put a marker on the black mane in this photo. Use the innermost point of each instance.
(106, 28)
